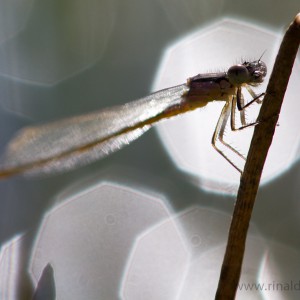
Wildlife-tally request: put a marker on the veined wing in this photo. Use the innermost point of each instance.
(69, 143)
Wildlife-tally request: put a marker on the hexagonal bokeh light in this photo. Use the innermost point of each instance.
(87, 239)
(50, 52)
(114, 242)
(187, 138)
(10, 257)
(181, 258)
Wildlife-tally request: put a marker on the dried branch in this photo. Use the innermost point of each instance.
(261, 141)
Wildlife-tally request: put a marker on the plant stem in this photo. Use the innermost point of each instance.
(261, 141)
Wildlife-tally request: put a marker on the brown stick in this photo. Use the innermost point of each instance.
(261, 141)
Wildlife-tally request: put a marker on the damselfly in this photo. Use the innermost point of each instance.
(69, 143)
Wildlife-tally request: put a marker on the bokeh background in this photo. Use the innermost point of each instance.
(60, 58)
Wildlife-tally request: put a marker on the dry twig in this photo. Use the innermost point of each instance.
(261, 141)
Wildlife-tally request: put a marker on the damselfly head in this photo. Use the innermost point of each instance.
(252, 73)
(257, 71)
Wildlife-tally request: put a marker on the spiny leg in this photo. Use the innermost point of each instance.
(230, 107)
(238, 101)
(254, 96)
(219, 133)
(233, 116)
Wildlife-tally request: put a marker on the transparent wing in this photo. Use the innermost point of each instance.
(76, 141)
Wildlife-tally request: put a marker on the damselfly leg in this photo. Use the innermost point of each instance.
(229, 108)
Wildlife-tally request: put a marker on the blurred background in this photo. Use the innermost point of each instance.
(64, 58)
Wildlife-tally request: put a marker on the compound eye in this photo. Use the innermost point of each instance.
(257, 74)
(238, 75)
